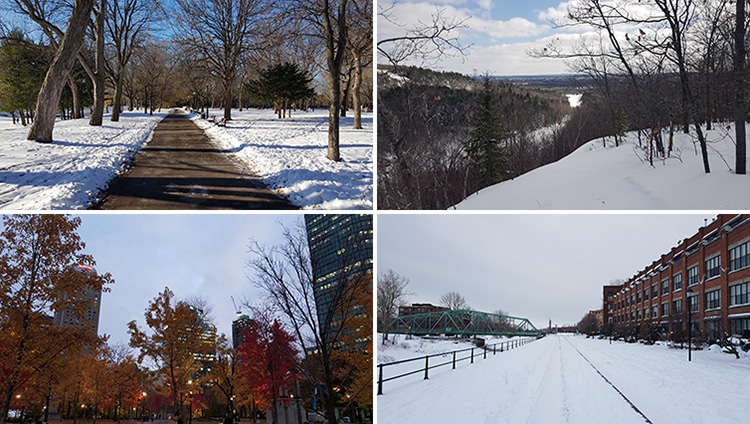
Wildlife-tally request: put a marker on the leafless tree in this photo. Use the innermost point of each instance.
(740, 56)
(99, 76)
(392, 293)
(360, 46)
(587, 325)
(453, 301)
(427, 43)
(57, 75)
(221, 32)
(127, 20)
(284, 273)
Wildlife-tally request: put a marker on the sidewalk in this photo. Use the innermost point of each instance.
(181, 169)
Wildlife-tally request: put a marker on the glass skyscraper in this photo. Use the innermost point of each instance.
(340, 251)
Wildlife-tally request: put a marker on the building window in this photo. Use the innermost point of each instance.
(665, 309)
(692, 275)
(713, 267)
(646, 313)
(639, 297)
(654, 291)
(645, 294)
(713, 299)
(639, 315)
(665, 286)
(738, 294)
(677, 306)
(713, 329)
(609, 297)
(740, 327)
(655, 311)
(739, 257)
(677, 281)
(694, 301)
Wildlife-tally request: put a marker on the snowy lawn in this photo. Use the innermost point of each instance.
(552, 381)
(290, 155)
(70, 172)
(594, 177)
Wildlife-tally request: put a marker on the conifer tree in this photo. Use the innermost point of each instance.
(281, 85)
(22, 68)
(484, 148)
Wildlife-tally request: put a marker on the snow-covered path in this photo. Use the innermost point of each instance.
(554, 380)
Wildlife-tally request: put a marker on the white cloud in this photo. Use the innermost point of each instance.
(485, 4)
(512, 28)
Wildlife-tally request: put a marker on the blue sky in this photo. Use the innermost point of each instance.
(192, 254)
(501, 33)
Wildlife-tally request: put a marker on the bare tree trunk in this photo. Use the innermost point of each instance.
(97, 111)
(117, 101)
(357, 91)
(739, 89)
(228, 101)
(62, 64)
(345, 97)
(335, 45)
(75, 110)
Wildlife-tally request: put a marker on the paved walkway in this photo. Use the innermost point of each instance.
(181, 169)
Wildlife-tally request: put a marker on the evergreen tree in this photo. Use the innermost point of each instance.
(484, 149)
(281, 85)
(22, 68)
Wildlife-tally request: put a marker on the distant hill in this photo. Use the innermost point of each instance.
(389, 76)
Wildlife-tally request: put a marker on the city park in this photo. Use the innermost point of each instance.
(54, 367)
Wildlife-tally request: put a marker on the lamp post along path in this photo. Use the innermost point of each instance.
(690, 323)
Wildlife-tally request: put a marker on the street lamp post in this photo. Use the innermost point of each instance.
(190, 401)
(690, 323)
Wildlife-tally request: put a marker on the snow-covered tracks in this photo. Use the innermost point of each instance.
(632, 405)
(560, 379)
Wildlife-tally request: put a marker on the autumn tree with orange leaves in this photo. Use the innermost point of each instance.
(172, 345)
(37, 258)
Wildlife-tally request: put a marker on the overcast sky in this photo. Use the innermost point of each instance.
(533, 266)
(500, 32)
(191, 254)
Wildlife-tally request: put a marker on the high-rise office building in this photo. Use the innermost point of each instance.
(205, 352)
(341, 251)
(93, 298)
(238, 326)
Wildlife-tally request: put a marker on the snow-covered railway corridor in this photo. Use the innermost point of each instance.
(555, 380)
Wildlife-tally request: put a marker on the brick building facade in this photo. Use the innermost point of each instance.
(420, 308)
(713, 264)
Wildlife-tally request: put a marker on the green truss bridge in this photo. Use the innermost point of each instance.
(463, 322)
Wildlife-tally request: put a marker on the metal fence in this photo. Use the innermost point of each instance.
(457, 356)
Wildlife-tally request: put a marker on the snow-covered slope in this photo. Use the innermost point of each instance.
(597, 177)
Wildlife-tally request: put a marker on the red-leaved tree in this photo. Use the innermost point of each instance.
(268, 362)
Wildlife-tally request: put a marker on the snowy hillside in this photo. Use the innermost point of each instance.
(596, 177)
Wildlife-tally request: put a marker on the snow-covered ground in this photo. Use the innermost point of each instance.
(70, 172)
(558, 379)
(595, 177)
(290, 155)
